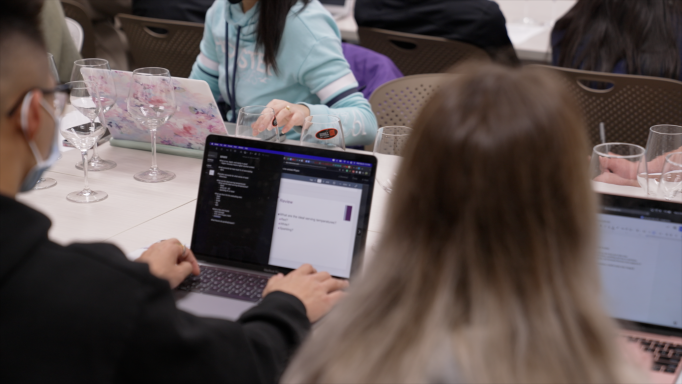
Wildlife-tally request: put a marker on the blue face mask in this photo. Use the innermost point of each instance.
(41, 166)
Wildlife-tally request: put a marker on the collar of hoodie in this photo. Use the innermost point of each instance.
(235, 17)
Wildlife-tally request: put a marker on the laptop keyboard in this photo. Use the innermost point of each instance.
(226, 283)
(666, 355)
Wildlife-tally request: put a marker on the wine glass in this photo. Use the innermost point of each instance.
(84, 139)
(619, 164)
(97, 74)
(257, 122)
(151, 102)
(671, 177)
(663, 139)
(48, 182)
(323, 131)
(390, 141)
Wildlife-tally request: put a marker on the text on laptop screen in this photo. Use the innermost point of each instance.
(282, 209)
(641, 260)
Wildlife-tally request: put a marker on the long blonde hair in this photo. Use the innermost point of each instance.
(488, 259)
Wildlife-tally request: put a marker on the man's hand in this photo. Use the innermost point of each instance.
(171, 261)
(317, 290)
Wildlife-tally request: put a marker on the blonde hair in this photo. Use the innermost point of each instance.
(488, 259)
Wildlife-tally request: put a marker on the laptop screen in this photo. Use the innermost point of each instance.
(274, 207)
(641, 259)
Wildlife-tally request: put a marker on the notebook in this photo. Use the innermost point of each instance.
(641, 268)
(266, 207)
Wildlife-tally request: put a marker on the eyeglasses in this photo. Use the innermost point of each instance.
(61, 93)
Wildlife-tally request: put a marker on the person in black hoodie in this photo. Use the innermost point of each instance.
(477, 22)
(83, 312)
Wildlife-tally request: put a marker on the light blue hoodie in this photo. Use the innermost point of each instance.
(312, 68)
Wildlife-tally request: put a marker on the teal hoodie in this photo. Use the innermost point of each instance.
(312, 68)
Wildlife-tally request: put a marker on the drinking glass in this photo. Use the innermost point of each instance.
(97, 75)
(151, 102)
(257, 122)
(671, 177)
(619, 164)
(322, 131)
(48, 182)
(83, 140)
(663, 139)
(390, 141)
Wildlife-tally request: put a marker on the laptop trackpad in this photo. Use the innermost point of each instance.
(200, 304)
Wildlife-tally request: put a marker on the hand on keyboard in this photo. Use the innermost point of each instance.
(318, 291)
(171, 261)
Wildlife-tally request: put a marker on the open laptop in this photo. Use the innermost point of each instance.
(339, 8)
(641, 268)
(196, 117)
(266, 207)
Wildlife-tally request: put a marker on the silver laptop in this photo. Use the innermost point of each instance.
(339, 8)
(265, 208)
(641, 268)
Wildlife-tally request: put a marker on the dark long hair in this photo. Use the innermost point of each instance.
(600, 33)
(273, 17)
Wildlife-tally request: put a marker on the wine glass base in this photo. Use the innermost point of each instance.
(97, 165)
(529, 21)
(87, 196)
(154, 176)
(45, 183)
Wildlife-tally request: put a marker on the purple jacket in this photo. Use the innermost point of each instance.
(370, 69)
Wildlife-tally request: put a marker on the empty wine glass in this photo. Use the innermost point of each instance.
(619, 164)
(83, 140)
(151, 102)
(97, 75)
(671, 177)
(322, 131)
(257, 122)
(48, 182)
(663, 139)
(389, 141)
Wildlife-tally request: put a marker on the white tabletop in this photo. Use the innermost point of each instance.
(531, 42)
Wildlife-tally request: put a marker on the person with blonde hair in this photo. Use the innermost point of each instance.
(487, 269)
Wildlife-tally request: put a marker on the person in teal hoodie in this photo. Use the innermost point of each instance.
(285, 54)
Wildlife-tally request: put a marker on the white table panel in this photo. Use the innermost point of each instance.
(128, 205)
(131, 161)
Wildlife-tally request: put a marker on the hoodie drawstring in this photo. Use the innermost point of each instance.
(232, 93)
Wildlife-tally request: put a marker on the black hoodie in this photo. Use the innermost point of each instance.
(477, 22)
(84, 313)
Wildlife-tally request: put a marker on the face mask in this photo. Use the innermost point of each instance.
(41, 166)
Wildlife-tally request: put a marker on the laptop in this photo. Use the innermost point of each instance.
(339, 8)
(641, 268)
(266, 207)
(196, 117)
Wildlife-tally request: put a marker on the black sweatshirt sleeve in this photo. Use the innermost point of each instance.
(173, 346)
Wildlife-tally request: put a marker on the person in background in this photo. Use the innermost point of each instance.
(58, 40)
(632, 37)
(477, 22)
(110, 41)
(180, 10)
(488, 265)
(285, 54)
(83, 313)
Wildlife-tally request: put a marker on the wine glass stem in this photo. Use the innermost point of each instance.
(84, 154)
(94, 147)
(153, 134)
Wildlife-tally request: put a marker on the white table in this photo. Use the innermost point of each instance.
(532, 43)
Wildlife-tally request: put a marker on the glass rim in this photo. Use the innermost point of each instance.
(73, 86)
(600, 153)
(381, 132)
(665, 133)
(670, 155)
(243, 109)
(81, 62)
(140, 71)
